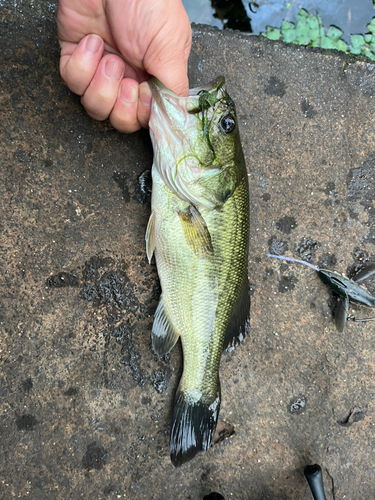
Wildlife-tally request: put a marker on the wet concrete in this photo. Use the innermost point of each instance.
(85, 405)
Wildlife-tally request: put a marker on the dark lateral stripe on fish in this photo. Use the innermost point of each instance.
(193, 427)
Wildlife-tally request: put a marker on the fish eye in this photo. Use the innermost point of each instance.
(227, 124)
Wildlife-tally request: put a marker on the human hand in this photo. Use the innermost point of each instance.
(110, 47)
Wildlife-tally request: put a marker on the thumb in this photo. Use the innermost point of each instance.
(168, 61)
(173, 74)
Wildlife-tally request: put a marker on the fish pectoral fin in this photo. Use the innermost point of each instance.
(364, 273)
(196, 231)
(150, 236)
(341, 313)
(239, 323)
(163, 335)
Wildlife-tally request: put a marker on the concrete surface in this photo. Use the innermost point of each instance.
(85, 405)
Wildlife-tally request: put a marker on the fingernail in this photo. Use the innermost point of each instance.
(145, 94)
(113, 69)
(129, 93)
(93, 43)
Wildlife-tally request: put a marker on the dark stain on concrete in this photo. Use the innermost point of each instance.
(360, 255)
(286, 224)
(330, 188)
(327, 261)
(27, 385)
(355, 415)
(307, 109)
(61, 280)
(159, 379)
(266, 197)
(275, 87)
(26, 422)
(223, 431)
(71, 392)
(112, 289)
(122, 179)
(131, 359)
(306, 249)
(361, 189)
(95, 457)
(297, 405)
(143, 187)
(276, 246)
(287, 283)
(92, 266)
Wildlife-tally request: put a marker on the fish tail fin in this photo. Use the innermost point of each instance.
(193, 425)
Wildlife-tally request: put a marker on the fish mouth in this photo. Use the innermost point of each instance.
(157, 88)
(160, 92)
(167, 104)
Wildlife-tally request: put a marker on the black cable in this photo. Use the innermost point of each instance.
(313, 475)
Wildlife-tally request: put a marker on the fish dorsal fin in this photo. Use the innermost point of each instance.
(196, 231)
(364, 273)
(163, 335)
(239, 323)
(150, 236)
(341, 312)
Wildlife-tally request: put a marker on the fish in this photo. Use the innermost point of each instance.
(198, 231)
(348, 290)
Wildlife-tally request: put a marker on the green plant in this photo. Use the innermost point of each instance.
(309, 30)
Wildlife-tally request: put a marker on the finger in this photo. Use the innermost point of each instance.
(171, 70)
(101, 94)
(78, 63)
(144, 104)
(175, 78)
(168, 55)
(124, 113)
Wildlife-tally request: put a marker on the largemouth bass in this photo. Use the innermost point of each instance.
(199, 233)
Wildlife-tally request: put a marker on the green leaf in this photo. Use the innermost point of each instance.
(302, 32)
(341, 45)
(371, 56)
(316, 35)
(372, 45)
(355, 51)
(316, 42)
(289, 35)
(334, 33)
(357, 42)
(288, 31)
(272, 33)
(371, 26)
(314, 22)
(286, 25)
(303, 13)
(368, 38)
(327, 43)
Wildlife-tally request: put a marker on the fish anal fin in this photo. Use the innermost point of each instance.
(193, 426)
(239, 323)
(196, 231)
(150, 236)
(163, 335)
(364, 273)
(341, 312)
